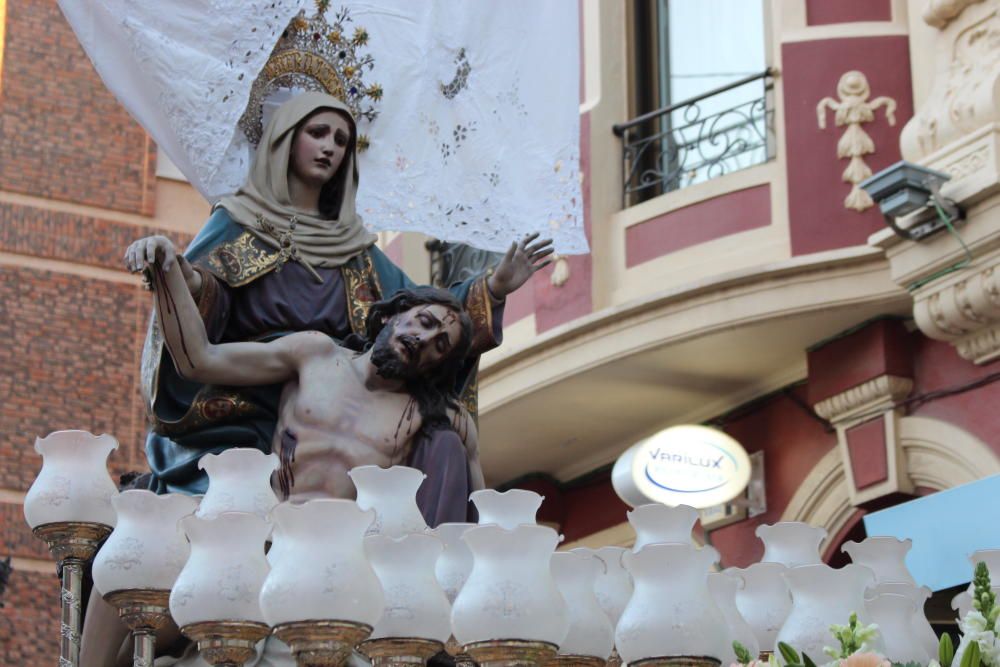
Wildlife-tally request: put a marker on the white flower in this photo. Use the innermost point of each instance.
(974, 622)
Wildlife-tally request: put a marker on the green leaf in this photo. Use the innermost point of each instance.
(971, 656)
(946, 650)
(790, 655)
(807, 661)
(742, 654)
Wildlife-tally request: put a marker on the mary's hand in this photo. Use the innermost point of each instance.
(159, 249)
(519, 264)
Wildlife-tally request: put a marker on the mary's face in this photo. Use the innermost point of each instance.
(319, 147)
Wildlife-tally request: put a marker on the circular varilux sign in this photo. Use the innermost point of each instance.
(690, 465)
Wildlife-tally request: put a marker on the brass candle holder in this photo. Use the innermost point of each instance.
(389, 651)
(322, 643)
(454, 649)
(576, 661)
(226, 643)
(72, 544)
(511, 652)
(144, 611)
(677, 661)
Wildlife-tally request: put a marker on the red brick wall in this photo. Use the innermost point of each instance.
(29, 630)
(70, 339)
(62, 134)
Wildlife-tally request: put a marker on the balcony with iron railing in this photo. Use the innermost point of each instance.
(721, 131)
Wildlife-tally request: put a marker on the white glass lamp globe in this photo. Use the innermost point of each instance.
(508, 509)
(590, 632)
(510, 593)
(455, 563)
(885, 556)
(656, 523)
(319, 569)
(74, 483)
(392, 493)
(222, 578)
(613, 585)
(147, 548)
(415, 604)
(671, 612)
(791, 543)
(239, 480)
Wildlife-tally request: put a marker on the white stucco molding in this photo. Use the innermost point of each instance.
(965, 95)
(938, 455)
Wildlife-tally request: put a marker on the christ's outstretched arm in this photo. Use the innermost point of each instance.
(198, 359)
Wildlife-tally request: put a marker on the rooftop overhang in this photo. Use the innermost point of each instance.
(580, 395)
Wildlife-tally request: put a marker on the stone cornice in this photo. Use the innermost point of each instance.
(885, 389)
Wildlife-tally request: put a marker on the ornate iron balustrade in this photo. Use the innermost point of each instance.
(454, 262)
(691, 142)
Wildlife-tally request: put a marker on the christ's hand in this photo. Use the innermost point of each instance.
(519, 264)
(152, 249)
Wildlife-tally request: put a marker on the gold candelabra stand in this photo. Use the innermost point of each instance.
(144, 611)
(677, 661)
(72, 544)
(576, 661)
(322, 643)
(390, 651)
(226, 643)
(511, 653)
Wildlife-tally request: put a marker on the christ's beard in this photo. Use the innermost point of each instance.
(388, 364)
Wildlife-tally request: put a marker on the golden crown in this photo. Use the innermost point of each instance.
(315, 54)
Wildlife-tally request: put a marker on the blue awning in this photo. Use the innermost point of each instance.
(946, 527)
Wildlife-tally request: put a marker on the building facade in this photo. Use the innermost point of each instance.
(738, 277)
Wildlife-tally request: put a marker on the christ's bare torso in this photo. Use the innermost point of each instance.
(333, 423)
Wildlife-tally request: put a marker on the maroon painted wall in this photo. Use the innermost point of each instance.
(816, 191)
(823, 12)
(710, 219)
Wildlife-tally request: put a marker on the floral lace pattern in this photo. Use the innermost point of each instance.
(477, 139)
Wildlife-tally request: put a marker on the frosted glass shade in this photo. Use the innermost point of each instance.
(239, 480)
(222, 578)
(415, 604)
(74, 484)
(671, 612)
(509, 509)
(510, 593)
(893, 613)
(921, 631)
(764, 601)
(392, 493)
(791, 543)
(657, 524)
(823, 596)
(590, 632)
(319, 570)
(724, 587)
(455, 563)
(885, 556)
(613, 584)
(147, 548)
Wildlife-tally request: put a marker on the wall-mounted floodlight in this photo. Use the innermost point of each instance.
(906, 188)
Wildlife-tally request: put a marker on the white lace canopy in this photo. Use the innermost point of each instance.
(477, 134)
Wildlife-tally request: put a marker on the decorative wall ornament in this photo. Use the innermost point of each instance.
(843, 405)
(964, 312)
(964, 97)
(560, 273)
(939, 13)
(852, 110)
